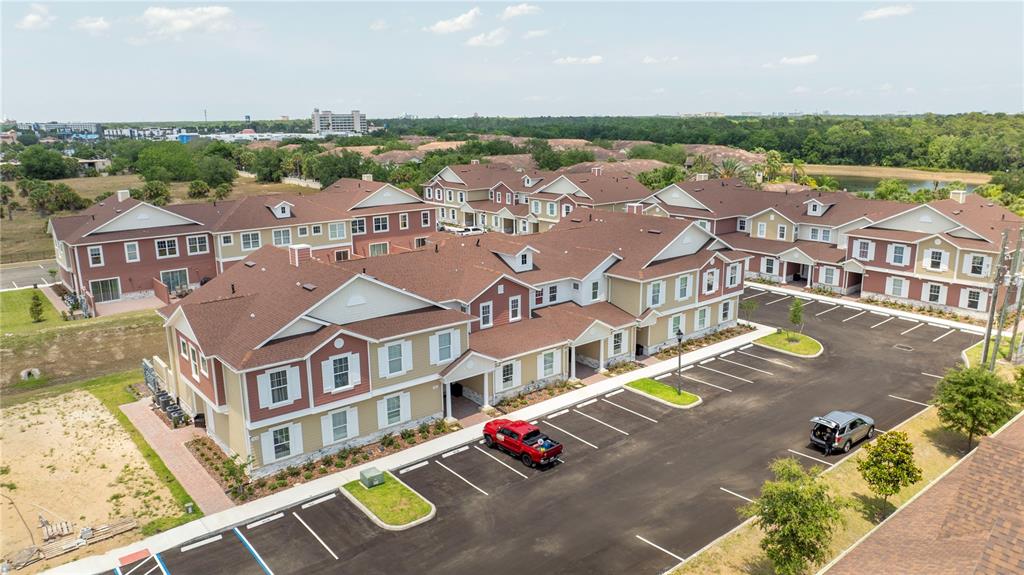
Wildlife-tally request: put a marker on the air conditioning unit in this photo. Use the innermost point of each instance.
(371, 477)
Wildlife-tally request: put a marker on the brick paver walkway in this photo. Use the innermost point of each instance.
(170, 446)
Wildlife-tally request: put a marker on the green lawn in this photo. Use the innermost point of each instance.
(803, 345)
(393, 502)
(14, 317)
(1003, 367)
(662, 391)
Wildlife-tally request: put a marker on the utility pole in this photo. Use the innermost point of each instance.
(1014, 266)
(1000, 270)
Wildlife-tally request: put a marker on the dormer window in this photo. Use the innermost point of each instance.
(815, 208)
(524, 259)
(283, 210)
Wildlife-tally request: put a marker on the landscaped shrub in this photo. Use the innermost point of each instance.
(424, 430)
(293, 471)
(408, 435)
(388, 440)
(307, 475)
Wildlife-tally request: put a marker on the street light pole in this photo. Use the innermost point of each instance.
(679, 374)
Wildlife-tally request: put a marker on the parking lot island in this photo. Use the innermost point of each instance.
(663, 393)
(790, 343)
(392, 505)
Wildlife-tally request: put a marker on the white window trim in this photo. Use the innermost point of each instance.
(363, 221)
(552, 210)
(686, 294)
(259, 241)
(519, 308)
(762, 229)
(741, 224)
(722, 308)
(490, 314)
(327, 369)
(781, 232)
(704, 281)
(288, 386)
(333, 227)
(227, 240)
(729, 273)
(138, 254)
(316, 229)
(188, 245)
(651, 289)
(384, 363)
(156, 248)
(387, 248)
(706, 312)
(302, 231)
(387, 224)
(273, 236)
(425, 219)
(351, 425)
(404, 409)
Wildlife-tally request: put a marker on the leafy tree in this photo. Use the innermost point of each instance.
(216, 170)
(28, 138)
(44, 164)
(892, 189)
(221, 192)
(155, 192)
(828, 183)
(731, 168)
(748, 307)
(50, 198)
(35, 308)
(198, 189)
(658, 178)
(330, 168)
(267, 165)
(773, 165)
(888, 465)
(975, 401)
(6, 197)
(166, 162)
(702, 165)
(1012, 181)
(798, 516)
(670, 154)
(9, 172)
(796, 315)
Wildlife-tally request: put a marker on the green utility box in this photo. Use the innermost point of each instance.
(371, 477)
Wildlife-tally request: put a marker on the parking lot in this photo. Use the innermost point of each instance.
(641, 486)
(17, 276)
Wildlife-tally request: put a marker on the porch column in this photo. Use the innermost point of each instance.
(600, 354)
(447, 399)
(572, 363)
(487, 389)
(810, 274)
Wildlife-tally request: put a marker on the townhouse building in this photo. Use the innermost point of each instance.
(289, 355)
(123, 249)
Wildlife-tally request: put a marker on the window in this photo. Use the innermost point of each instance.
(420, 242)
(444, 346)
(380, 224)
(552, 210)
(741, 224)
(166, 248)
(486, 315)
(182, 347)
(710, 281)
(762, 229)
(462, 197)
(490, 196)
(339, 425)
(282, 237)
(552, 293)
(282, 442)
(675, 325)
(535, 207)
(403, 221)
(863, 250)
(896, 286)
(394, 358)
(197, 245)
(524, 226)
(682, 287)
(617, 343)
(595, 290)
(898, 254)
(828, 276)
(174, 279)
(425, 219)
(524, 259)
(815, 232)
(976, 265)
(250, 241)
(302, 231)
(341, 255)
(428, 193)
(514, 308)
(768, 266)
(227, 240)
(316, 229)
(781, 232)
(974, 299)
(336, 230)
(702, 318)
(935, 259)
(508, 379)
(703, 224)
(340, 372)
(826, 235)
(495, 221)
(814, 208)
(933, 294)
(451, 213)
(105, 290)
(131, 252)
(548, 364)
(726, 311)
(654, 297)
(733, 277)
(566, 209)
(358, 226)
(451, 196)
(278, 386)
(380, 249)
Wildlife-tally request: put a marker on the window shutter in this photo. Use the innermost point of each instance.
(267, 447)
(625, 341)
(406, 356)
(434, 351)
(986, 266)
(326, 429)
(327, 371)
(871, 250)
(294, 387)
(888, 286)
(382, 414)
(353, 421)
(889, 253)
(558, 361)
(457, 337)
(966, 267)
(540, 365)
(382, 361)
(354, 371)
(945, 261)
(295, 438)
(263, 389)
(905, 289)
(406, 405)
(517, 374)
(942, 295)
(963, 298)
(983, 301)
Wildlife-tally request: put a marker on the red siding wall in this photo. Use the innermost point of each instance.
(398, 238)
(205, 383)
(722, 290)
(138, 276)
(500, 302)
(350, 345)
(257, 413)
(724, 226)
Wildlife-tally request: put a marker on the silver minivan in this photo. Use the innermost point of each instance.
(839, 430)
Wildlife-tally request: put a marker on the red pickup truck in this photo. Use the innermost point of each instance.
(522, 440)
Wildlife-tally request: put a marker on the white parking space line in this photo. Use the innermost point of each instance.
(42, 281)
(759, 294)
(660, 548)
(748, 346)
(778, 300)
(706, 383)
(936, 325)
(468, 482)
(255, 554)
(510, 468)
(768, 359)
(652, 420)
(887, 320)
(151, 569)
(41, 267)
(943, 335)
(139, 564)
(726, 374)
(614, 393)
(580, 439)
(810, 457)
(828, 310)
(906, 331)
(557, 413)
(330, 496)
(534, 422)
(413, 467)
(747, 499)
(586, 403)
(14, 284)
(662, 376)
(608, 425)
(881, 313)
(199, 544)
(853, 316)
(313, 533)
(454, 452)
(909, 400)
(746, 366)
(931, 375)
(264, 521)
(709, 360)
(728, 353)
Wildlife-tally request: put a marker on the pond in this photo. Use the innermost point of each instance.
(867, 184)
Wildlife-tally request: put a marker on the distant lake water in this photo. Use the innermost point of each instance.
(862, 184)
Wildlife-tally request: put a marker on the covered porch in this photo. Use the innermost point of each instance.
(467, 386)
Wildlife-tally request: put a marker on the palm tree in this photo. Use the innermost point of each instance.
(828, 183)
(797, 170)
(6, 194)
(702, 165)
(731, 168)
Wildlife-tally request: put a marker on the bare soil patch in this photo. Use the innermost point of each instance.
(973, 178)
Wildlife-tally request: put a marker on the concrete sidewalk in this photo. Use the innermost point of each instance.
(216, 522)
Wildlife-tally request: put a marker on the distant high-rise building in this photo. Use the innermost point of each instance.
(327, 121)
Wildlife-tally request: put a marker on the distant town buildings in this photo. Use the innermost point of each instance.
(327, 122)
(63, 128)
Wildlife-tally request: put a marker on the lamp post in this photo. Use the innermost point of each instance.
(679, 374)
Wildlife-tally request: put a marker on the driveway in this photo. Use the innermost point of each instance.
(642, 486)
(17, 276)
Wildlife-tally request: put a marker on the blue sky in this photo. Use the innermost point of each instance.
(130, 61)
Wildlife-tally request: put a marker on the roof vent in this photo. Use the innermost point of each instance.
(576, 220)
(252, 316)
(250, 264)
(232, 288)
(478, 242)
(309, 287)
(436, 248)
(655, 232)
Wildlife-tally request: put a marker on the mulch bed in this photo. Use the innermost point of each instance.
(520, 401)
(623, 367)
(695, 344)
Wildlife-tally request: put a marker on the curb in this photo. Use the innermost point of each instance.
(821, 350)
(699, 401)
(380, 522)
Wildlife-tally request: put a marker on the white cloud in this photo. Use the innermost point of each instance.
(910, 90)
(567, 60)
(887, 12)
(378, 25)
(493, 38)
(531, 34)
(38, 17)
(886, 87)
(456, 24)
(163, 22)
(658, 91)
(659, 60)
(832, 90)
(519, 10)
(94, 25)
(798, 60)
(800, 90)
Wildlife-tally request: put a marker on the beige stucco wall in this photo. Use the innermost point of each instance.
(626, 294)
(772, 221)
(421, 366)
(267, 238)
(936, 244)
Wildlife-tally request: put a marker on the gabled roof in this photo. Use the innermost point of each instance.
(74, 229)
(486, 176)
(609, 188)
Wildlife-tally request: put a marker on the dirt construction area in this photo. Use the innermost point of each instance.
(67, 459)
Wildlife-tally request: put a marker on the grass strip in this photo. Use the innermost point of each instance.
(662, 391)
(792, 342)
(392, 502)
